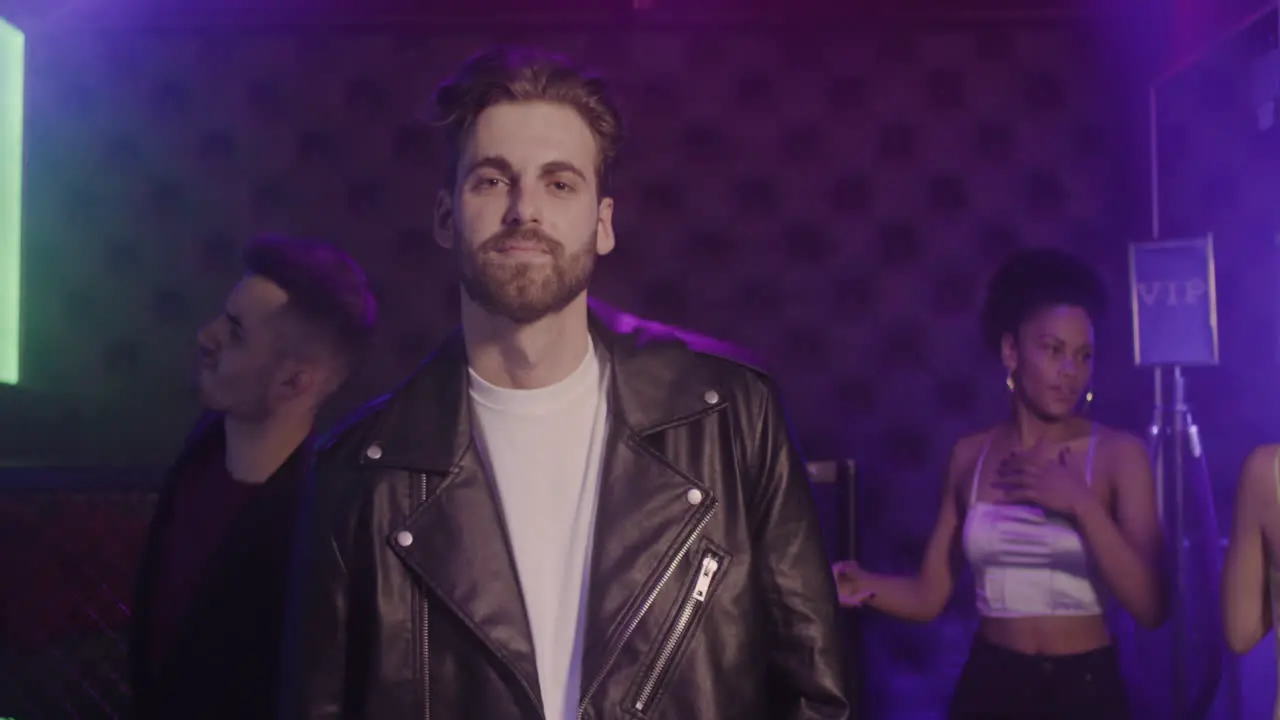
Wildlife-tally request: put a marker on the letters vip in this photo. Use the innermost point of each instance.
(1172, 292)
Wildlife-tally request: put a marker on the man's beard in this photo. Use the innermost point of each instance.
(524, 293)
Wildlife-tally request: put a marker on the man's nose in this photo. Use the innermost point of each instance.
(524, 208)
(207, 338)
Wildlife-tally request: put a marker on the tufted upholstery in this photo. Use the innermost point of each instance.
(71, 552)
(832, 201)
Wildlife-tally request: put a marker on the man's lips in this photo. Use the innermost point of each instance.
(521, 248)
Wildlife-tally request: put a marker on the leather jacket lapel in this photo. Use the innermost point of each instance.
(457, 541)
(647, 510)
(645, 513)
(461, 550)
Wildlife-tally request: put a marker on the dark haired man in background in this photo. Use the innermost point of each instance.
(208, 613)
(554, 518)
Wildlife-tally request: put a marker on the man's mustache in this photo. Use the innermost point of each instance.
(506, 237)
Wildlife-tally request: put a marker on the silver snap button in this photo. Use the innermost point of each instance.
(711, 396)
(404, 538)
(373, 452)
(694, 496)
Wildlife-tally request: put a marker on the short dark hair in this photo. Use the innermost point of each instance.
(516, 74)
(327, 291)
(1034, 279)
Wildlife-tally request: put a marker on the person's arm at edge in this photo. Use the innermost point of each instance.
(1246, 616)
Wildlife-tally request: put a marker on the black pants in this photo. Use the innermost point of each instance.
(1002, 684)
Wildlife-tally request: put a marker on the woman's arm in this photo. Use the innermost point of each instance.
(920, 597)
(1129, 549)
(1246, 616)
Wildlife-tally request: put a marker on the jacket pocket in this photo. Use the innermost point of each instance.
(693, 603)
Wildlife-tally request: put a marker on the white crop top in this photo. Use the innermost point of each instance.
(1026, 562)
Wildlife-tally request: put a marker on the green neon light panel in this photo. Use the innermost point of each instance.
(12, 75)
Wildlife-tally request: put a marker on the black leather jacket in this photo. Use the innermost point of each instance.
(222, 661)
(710, 595)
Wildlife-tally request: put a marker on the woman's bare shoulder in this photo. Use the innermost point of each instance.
(1121, 444)
(1258, 480)
(972, 444)
(1123, 457)
(965, 452)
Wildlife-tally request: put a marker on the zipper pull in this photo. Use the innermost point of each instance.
(705, 575)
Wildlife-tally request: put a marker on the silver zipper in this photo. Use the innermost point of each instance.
(426, 633)
(631, 624)
(706, 573)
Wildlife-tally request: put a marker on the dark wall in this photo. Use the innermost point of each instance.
(834, 202)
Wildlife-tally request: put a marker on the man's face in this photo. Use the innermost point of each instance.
(240, 359)
(525, 218)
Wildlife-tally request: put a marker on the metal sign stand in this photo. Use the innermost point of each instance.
(1180, 429)
(1170, 439)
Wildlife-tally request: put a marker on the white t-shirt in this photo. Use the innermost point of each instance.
(543, 449)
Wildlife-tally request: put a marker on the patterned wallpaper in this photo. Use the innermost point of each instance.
(872, 181)
(834, 202)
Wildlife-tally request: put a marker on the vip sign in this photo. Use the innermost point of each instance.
(1174, 302)
(1173, 292)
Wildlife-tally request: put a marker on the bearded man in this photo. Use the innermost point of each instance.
(553, 518)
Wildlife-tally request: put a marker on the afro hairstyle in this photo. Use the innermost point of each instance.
(1034, 279)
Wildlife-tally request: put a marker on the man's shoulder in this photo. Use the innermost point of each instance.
(352, 428)
(651, 340)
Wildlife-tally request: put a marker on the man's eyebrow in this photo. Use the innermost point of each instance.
(492, 162)
(557, 167)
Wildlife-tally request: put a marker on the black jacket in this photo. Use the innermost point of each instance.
(225, 661)
(409, 606)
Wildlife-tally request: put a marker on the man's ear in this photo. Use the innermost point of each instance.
(605, 239)
(443, 225)
(296, 380)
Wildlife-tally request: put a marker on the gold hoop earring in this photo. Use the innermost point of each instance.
(1008, 381)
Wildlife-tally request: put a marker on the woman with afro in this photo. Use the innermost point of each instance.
(1054, 514)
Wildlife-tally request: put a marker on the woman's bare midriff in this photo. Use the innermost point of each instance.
(1061, 635)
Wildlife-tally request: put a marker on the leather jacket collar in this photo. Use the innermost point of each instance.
(427, 425)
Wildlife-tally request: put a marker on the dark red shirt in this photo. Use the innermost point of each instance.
(206, 501)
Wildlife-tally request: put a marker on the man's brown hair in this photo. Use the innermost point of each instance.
(328, 292)
(509, 74)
